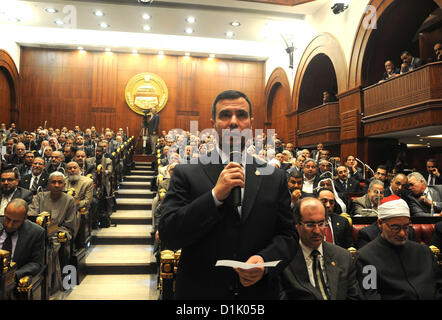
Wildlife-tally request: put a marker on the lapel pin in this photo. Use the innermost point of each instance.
(257, 173)
(333, 263)
(337, 224)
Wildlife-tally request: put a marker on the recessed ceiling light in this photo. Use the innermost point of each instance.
(187, 54)
(98, 13)
(418, 135)
(104, 25)
(190, 20)
(134, 51)
(145, 16)
(107, 49)
(147, 28)
(80, 48)
(212, 55)
(229, 34)
(51, 10)
(59, 22)
(235, 23)
(188, 30)
(161, 53)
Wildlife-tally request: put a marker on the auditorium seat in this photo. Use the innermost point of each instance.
(424, 232)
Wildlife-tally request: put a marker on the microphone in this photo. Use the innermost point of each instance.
(236, 191)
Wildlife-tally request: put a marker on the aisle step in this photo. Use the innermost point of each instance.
(116, 287)
(142, 171)
(137, 178)
(123, 234)
(135, 193)
(132, 217)
(135, 185)
(120, 259)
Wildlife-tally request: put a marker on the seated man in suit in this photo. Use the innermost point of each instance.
(339, 230)
(310, 178)
(398, 186)
(9, 189)
(321, 270)
(26, 167)
(353, 170)
(436, 239)
(345, 184)
(295, 181)
(370, 200)
(432, 176)
(56, 163)
(423, 200)
(342, 202)
(19, 155)
(409, 62)
(404, 270)
(367, 234)
(38, 177)
(86, 169)
(390, 71)
(22, 238)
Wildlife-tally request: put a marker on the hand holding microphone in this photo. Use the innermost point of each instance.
(232, 176)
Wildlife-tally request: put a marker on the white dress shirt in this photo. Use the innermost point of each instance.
(308, 185)
(14, 239)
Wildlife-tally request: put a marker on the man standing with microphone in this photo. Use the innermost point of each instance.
(201, 218)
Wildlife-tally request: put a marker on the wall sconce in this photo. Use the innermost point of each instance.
(339, 7)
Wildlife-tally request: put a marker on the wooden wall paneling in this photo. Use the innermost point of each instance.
(5, 98)
(89, 89)
(10, 88)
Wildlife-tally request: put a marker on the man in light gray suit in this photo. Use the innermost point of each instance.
(321, 270)
(423, 200)
(23, 238)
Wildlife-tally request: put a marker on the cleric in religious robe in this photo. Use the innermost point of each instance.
(391, 267)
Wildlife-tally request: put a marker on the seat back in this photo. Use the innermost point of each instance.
(424, 232)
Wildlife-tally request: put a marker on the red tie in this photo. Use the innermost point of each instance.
(328, 235)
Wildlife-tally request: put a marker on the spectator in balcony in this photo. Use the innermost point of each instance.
(328, 96)
(409, 63)
(405, 270)
(423, 199)
(370, 200)
(437, 52)
(432, 176)
(390, 71)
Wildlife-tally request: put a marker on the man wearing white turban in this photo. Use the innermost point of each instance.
(393, 268)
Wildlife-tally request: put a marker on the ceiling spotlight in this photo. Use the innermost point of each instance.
(107, 49)
(339, 7)
(145, 1)
(51, 10)
(212, 55)
(235, 23)
(188, 30)
(229, 34)
(145, 16)
(135, 51)
(98, 13)
(190, 20)
(59, 22)
(161, 53)
(147, 28)
(104, 25)
(80, 48)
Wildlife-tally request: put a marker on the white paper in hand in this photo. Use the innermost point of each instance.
(243, 265)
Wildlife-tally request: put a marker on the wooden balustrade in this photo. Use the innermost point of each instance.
(319, 122)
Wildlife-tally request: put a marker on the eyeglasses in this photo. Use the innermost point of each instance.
(312, 225)
(397, 228)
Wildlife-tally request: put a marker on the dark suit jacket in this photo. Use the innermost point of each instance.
(438, 180)
(339, 269)
(152, 125)
(415, 63)
(418, 209)
(25, 181)
(21, 193)
(436, 239)
(352, 186)
(207, 233)
(367, 234)
(342, 231)
(29, 250)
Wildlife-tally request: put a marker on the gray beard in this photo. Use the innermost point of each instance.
(74, 178)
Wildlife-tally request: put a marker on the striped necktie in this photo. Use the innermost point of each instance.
(318, 276)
